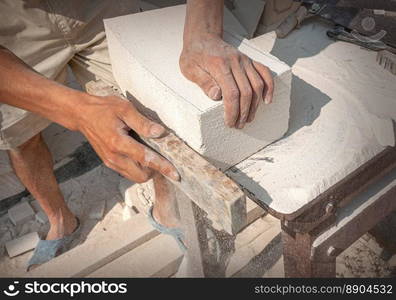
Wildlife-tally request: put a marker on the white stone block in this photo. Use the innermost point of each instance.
(22, 244)
(36, 206)
(4, 238)
(41, 217)
(144, 50)
(20, 213)
(127, 213)
(123, 188)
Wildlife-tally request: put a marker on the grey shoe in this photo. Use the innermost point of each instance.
(176, 233)
(48, 249)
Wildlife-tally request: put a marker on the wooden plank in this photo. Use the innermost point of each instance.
(159, 257)
(253, 211)
(251, 232)
(208, 187)
(276, 271)
(195, 239)
(99, 251)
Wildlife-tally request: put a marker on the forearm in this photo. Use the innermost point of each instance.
(203, 17)
(22, 87)
(104, 121)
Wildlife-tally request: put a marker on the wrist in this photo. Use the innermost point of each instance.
(200, 41)
(204, 18)
(75, 107)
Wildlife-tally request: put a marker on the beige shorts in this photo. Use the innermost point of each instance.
(50, 35)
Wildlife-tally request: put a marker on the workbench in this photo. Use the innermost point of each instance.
(328, 181)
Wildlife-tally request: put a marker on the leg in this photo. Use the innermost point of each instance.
(33, 165)
(195, 239)
(165, 208)
(297, 249)
(209, 249)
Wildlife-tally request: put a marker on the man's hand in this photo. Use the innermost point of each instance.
(106, 122)
(220, 69)
(224, 72)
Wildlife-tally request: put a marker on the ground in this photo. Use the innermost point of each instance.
(83, 193)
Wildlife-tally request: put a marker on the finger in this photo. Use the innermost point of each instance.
(202, 78)
(146, 157)
(257, 84)
(230, 93)
(265, 73)
(245, 90)
(139, 123)
(129, 169)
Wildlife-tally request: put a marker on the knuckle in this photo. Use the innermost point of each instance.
(233, 94)
(145, 127)
(113, 143)
(143, 177)
(236, 56)
(246, 92)
(259, 87)
(125, 107)
(263, 68)
(108, 163)
(246, 60)
(218, 60)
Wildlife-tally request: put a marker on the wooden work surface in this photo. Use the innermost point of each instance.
(332, 133)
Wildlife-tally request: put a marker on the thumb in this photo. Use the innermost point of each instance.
(203, 79)
(142, 125)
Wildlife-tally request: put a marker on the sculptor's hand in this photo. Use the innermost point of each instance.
(224, 72)
(106, 122)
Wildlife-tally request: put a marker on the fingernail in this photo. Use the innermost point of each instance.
(156, 130)
(214, 93)
(174, 175)
(267, 100)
